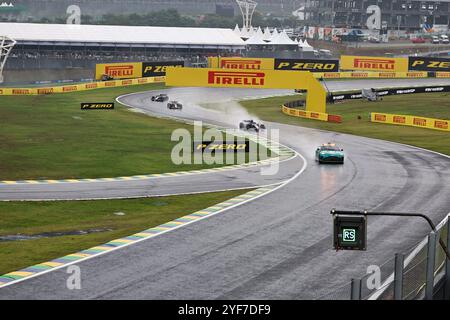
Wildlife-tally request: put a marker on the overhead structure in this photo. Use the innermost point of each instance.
(6, 45)
(247, 9)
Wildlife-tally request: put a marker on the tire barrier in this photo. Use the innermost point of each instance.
(412, 121)
(78, 87)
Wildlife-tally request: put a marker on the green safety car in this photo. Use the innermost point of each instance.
(329, 153)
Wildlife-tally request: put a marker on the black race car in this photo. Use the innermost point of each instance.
(174, 105)
(160, 98)
(106, 77)
(251, 125)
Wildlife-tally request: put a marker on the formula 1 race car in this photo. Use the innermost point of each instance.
(160, 98)
(106, 77)
(174, 105)
(329, 153)
(251, 125)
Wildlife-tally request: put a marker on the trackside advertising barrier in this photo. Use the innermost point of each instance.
(412, 121)
(374, 75)
(429, 64)
(364, 63)
(125, 70)
(134, 70)
(246, 63)
(78, 87)
(255, 79)
(293, 112)
(312, 65)
(158, 69)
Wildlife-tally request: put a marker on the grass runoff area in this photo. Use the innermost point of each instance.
(50, 137)
(105, 219)
(433, 105)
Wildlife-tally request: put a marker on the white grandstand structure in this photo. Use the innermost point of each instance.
(109, 36)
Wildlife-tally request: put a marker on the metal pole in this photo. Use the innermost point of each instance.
(431, 257)
(447, 266)
(356, 289)
(398, 276)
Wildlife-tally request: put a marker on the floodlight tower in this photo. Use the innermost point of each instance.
(247, 9)
(6, 45)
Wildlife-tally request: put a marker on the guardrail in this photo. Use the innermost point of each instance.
(78, 87)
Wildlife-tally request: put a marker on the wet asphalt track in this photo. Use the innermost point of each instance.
(278, 247)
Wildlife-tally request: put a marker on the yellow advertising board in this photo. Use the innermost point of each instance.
(442, 74)
(375, 75)
(365, 63)
(413, 121)
(294, 112)
(246, 63)
(213, 62)
(123, 70)
(251, 79)
(78, 87)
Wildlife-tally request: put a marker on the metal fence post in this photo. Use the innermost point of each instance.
(398, 276)
(356, 289)
(447, 266)
(431, 257)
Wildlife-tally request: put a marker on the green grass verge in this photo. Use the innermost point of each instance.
(49, 137)
(30, 218)
(435, 105)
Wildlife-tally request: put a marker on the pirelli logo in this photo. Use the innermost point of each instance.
(443, 75)
(97, 106)
(91, 86)
(420, 122)
(127, 82)
(387, 75)
(399, 119)
(440, 124)
(120, 71)
(110, 84)
(380, 117)
(414, 75)
(45, 91)
(359, 75)
(384, 64)
(335, 75)
(1, 91)
(20, 91)
(244, 64)
(251, 79)
(70, 88)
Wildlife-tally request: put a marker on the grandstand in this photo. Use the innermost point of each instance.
(51, 46)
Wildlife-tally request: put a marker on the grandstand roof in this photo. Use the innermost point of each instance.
(116, 35)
